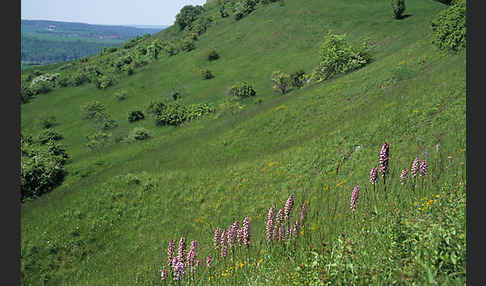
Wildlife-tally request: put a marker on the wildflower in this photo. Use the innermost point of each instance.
(246, 231)
(192, 253)
(289, 204)
(164, 274)
(209, 259)
(217, 237)
(404, 175)
(179, 269)
(222, 244)
(373, 175)
(303, 211)
(275, 232)
(280, 216)
(423, 168)
(239, 236)
(415, 167)
(269, 225)
(354, 198)
(230, 235)
(280, 233)
(182, 249)
(384, 156)
(170, 252)
(295, 229)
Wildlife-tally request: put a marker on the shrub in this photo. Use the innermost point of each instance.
(79, 78)
(155, 107)
(223, 12)
(201, 25)
(108, 50)
(135, 115)
(175, 113)
(47, 135)
(170, 48)
(138, 133)
(398, 8)
(103, 82)
(41, 168)
(121, 95)
(26, 93)
(47, 121)
(242, 89)
(56, 149)
(281, 82)
(243, 8)
(103, 121)
(171, 114)
(187, 45)
(196, 111)
(91, 109)
(297, 79)
(213, 55)
(187, 15)
(449, 27)
(97, 140)
(337, 56)
(206, 74)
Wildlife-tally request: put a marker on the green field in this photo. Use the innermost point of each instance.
(111, 219)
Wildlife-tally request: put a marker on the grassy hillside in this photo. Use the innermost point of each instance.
(110, 221)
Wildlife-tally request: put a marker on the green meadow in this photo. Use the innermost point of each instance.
(111, 219)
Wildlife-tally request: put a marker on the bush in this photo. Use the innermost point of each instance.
(449, 27)
(79, 78)
(196, 111)
(242, 89)
(172, 114)
(175, 113)
(91, 109)
(170, 48)
(41, 168)
(103, 82)
(223, 11)
(201, 25)
(108, 50)
(26, 93)
(135, 115)
(47, 135)
(47, 121)
(206, 74)
(398, 8)
(243, 8)
(155, 107)
(187, 15)
(337, 56)
(187, 45)
(281, 82)
(103, 121)
(121, 95)
(297, 79)
(138, 133)
(213, 55)
(97, 140)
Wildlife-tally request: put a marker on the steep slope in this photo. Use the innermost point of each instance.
(103, 227)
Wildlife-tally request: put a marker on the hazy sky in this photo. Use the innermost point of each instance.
(109, 12)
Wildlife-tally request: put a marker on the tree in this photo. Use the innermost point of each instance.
(398, 8)
(187, 15)
(281, 82)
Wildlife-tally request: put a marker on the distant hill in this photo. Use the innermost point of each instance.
(159, 27)
(45, 41)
